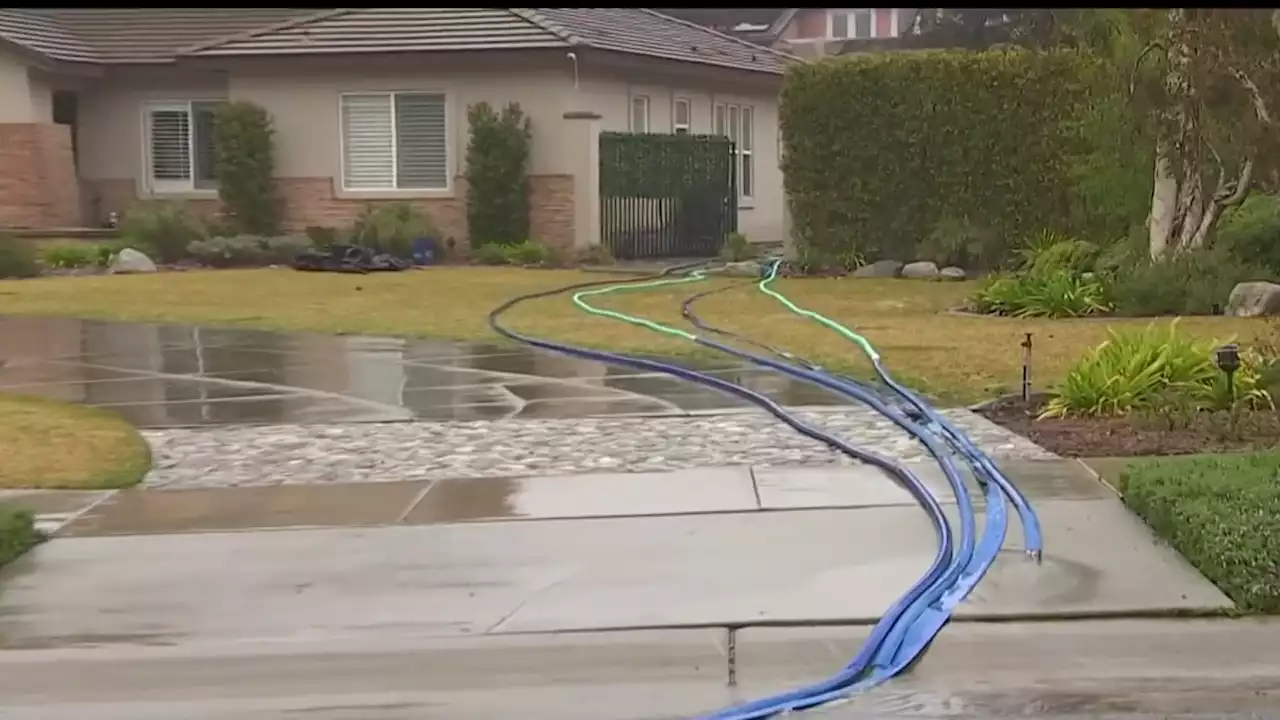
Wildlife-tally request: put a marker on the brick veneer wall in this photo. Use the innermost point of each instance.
(38, 187)
(312, 201)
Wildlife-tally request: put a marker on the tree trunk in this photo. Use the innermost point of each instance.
(1164, 206)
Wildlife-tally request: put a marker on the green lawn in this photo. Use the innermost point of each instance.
(953, 358)
(1222, 512)
(50, 444)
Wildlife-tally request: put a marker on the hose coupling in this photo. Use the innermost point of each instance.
(1037, 555)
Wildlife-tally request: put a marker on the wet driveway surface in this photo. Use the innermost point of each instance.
(161, 376)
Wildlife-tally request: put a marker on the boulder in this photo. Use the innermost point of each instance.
(879, 269)
(923, 270)
(952, 273)
(130, 261)
(1254, 299)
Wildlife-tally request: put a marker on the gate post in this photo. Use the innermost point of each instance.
(582, 151)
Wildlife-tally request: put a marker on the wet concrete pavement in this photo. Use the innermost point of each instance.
(1098, 669)
(161, 376)
(470, 578)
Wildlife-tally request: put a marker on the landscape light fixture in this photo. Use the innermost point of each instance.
(1228, 359)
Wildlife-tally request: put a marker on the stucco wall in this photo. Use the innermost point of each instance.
(303, 97)
(609, 93)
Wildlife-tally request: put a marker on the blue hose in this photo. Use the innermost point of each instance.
(886, 640)
(923, 586)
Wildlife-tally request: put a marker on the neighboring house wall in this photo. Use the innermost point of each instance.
(812, 28)
(613, 94)
(38, 187)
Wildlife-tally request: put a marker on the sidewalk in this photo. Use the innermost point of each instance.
(1113, 669)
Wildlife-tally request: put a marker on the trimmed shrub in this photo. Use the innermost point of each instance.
(245, 143)
(18, 257)
(162, 228)
(1222, 513)
(498, 175)
(17, 533)
(955, 135)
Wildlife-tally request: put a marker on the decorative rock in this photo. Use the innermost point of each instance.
(952, 273)
(1254, 299)
(879, 269)
(130, 261)
(923, 270)
(378, 452)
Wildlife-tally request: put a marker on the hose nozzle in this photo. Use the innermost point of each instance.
(1037, 555)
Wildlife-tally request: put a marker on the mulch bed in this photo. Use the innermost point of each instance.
(1134, 436)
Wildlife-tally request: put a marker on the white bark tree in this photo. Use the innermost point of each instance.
(1209, 86)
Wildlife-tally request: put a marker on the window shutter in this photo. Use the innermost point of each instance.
(422, 142)
(170, 132)
(368, 152)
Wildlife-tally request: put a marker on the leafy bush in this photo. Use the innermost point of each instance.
(106, 251)
(248, 250)
(1054, 294)
(1222, 513)
(66, 257)
(595, 255)
(491, 254)
(245, 144)
(963, 243)
(18, 533)
(736, 248)
(1067, 255)
(18, 257)
(162, 228)
(1251, 232)
(497, 175)
(892, 192)
(391, 228)
(524, 253)
(321, 236)
(1154, 369)
(1192, 282)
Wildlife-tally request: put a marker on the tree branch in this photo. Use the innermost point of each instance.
(1137, 64)
(1259, 103)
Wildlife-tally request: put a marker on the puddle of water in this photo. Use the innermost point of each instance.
(170, 375)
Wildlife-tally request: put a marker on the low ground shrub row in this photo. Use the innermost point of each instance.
(1074, 278)
(170, 232)
(1222, 513)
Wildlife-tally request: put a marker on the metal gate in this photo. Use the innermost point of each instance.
(666, 195)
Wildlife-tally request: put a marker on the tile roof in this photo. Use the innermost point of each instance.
(164, 35)
(130, 35)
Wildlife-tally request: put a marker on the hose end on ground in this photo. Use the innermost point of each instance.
(1037, 555)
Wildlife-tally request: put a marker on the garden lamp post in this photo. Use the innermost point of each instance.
(1228, 360)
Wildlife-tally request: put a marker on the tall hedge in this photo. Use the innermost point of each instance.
(880, 149)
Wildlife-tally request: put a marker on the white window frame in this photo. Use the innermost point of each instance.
(631, 113)
(394, 191)
(850, 23)
(722, 114)
(160, 187)
(676, 125)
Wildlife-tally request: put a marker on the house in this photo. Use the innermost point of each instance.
(99, 107)
(808, 32)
